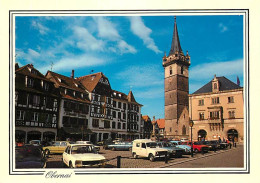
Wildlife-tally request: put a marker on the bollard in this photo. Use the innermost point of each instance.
(118, 161)
(166, 158)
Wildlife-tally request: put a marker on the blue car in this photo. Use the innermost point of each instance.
(172, 150)
(186, 148)
(121, 146)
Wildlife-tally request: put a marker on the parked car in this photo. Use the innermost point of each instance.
(35, 142)
(82, 155)
(90, 143)
(186, 148)
(197, 146)
(172, 150)
(120, 146)
(147, 148)
(213, 144)
(29, 156)
(56, 147)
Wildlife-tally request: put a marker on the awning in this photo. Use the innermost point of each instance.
(76, 131)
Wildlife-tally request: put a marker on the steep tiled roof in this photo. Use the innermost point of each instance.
(224, 84)
(146, 118)
(90, 81)
(25, 70)
(119, 95)
(64, 81)
(69, 83)
(160, 123)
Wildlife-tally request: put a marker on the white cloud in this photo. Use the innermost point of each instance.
(143, 32)
(42, 29)
(141, 76)
(73, 62)
(125, 48)
(208, 70)
(222, 27)
(106, 29)
(87, 41)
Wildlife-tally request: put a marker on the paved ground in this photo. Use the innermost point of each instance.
(211, 159)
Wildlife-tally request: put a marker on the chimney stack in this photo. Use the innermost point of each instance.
(72, 74)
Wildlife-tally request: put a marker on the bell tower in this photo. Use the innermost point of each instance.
(176, 89)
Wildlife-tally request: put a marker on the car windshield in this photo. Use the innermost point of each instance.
(151, 144)
(214, 142)
(82, 149)
(167, 145)
(197, 143)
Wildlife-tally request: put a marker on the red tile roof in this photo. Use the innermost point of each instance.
(161, 123)
(146, 118)
(91, 81)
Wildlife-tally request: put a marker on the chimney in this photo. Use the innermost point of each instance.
(72, 74)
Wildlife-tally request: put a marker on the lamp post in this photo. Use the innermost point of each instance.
(191, 125)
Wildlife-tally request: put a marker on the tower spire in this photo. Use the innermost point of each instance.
(176, 46)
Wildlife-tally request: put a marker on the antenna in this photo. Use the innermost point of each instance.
(52, 65)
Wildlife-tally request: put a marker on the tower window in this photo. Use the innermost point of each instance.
(182, 70)
(170, 70)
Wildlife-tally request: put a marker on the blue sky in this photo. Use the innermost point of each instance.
(129, 50)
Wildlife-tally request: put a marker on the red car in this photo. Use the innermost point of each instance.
(197, 146)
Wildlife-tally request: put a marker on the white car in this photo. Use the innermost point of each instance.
(147, 148)
(82, 155)
(88, 142)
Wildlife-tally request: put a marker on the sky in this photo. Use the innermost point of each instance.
(129, 50)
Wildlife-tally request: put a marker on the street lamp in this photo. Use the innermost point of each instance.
(191, 125)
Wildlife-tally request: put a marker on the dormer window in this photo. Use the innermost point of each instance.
(74, 93)
(82, 95)
(119, 95)
(114, 93)
(76, 85)
(30, 82)
(59, 79)
(65, 91)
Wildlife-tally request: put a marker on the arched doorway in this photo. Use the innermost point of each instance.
(232, 133)
(48, 136)
(33, 135)
(20, 136)
(202, 135)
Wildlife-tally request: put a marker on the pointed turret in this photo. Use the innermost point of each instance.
(176, 54)
(176, 45)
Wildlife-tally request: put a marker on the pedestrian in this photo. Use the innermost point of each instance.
(219, 139)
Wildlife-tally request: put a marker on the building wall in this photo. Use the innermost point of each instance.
(222, 126)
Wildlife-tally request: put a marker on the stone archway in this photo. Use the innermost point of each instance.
(232, 134)
(33, 135)
(20, 136)
(202, 134)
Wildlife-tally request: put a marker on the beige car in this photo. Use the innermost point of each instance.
(57, 147)
(82, 155)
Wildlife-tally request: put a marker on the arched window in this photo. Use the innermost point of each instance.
(215, 86)
(183, 130)
(182, 70)
(170, 70)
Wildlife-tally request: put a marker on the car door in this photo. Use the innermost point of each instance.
(143, 150)
(55, 147)
(66, 155)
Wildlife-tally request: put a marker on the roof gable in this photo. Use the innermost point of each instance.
(224, 84)
(160, 123)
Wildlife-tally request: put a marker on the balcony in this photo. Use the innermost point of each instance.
(214, 120)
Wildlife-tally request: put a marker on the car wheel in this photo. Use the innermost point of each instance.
(71, 166)
(47, 152)
(151, 157)
(135, 155)
(196, 150)
(130, 149)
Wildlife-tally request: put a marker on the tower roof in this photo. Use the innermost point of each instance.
(176, 46)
